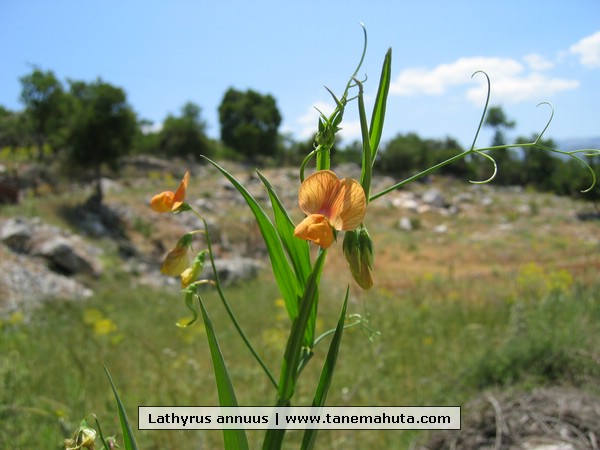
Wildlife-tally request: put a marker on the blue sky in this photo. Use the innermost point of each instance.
(167, 53)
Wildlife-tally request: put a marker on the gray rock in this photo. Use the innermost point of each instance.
(109, 185)
(405, 224)
(17, 233)
(405, 200)
(64, 252)
(441, 229)
(434, 197)
(25, 283)
(65, 256)
(487, 201)
(233, 270)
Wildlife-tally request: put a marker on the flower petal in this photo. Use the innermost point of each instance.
(316, 192)
(176, 261)
(162, 202)
(315, 228)
(179, 196)
(349, 205)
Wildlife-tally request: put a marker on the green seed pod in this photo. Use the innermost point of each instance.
(358, 250)
(352, 250)
(366, 244)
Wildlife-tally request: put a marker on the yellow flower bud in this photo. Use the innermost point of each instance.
(177, 259)
(191, 274)
(84, 437)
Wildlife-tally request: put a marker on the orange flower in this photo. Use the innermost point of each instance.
(329, 203)
(170, 201)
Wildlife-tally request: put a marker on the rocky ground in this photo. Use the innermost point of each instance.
(554, 418)
(50, 255)
(442, 226)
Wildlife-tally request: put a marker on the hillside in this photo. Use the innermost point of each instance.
(446, 227)
(484, 297)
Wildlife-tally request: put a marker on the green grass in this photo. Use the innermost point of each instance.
(456, 313)
(435, 348)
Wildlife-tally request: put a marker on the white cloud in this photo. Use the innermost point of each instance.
(588, 50)
(350, 131)
(308, 122)
(152, 128)
(537, 62)
(439, 79)
(511, 81)
(522, 88)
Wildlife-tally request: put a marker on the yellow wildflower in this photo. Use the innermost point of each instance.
(329, 203)
(191, 274)
(169, 201)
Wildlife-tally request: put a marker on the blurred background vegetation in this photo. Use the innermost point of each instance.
(453, 313)
(85, 127)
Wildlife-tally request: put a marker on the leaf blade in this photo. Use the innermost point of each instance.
(379, 108)
(284, 275)
(310, 435)
(298, 252)
(289, 370)
(128, 437)
(297, 249)
(291, 359)
(233, 439)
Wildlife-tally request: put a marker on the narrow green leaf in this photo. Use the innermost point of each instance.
(309, 333)
(378, 117)
(298, 252)
(233, 439)
(105, 444)
(297, 249)
(291, 359)
(293, 351)
(367, 165)
(283, 272)
(229, 310)
(128, 437)
(310, 435)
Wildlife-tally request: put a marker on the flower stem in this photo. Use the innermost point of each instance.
(232, 316)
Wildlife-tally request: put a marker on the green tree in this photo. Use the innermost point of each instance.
(408, 154)
(539, 167)
(146, 138)
(13, 129)
(497, 120)
(102, 129)
(402, 156)
(249, 123)
(184, 135)
(45, 106)
(508, 163)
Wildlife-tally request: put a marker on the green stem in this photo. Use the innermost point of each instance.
(305, 162)
(535, 144)
(236, 324)
(420, 175)
(333, 330)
